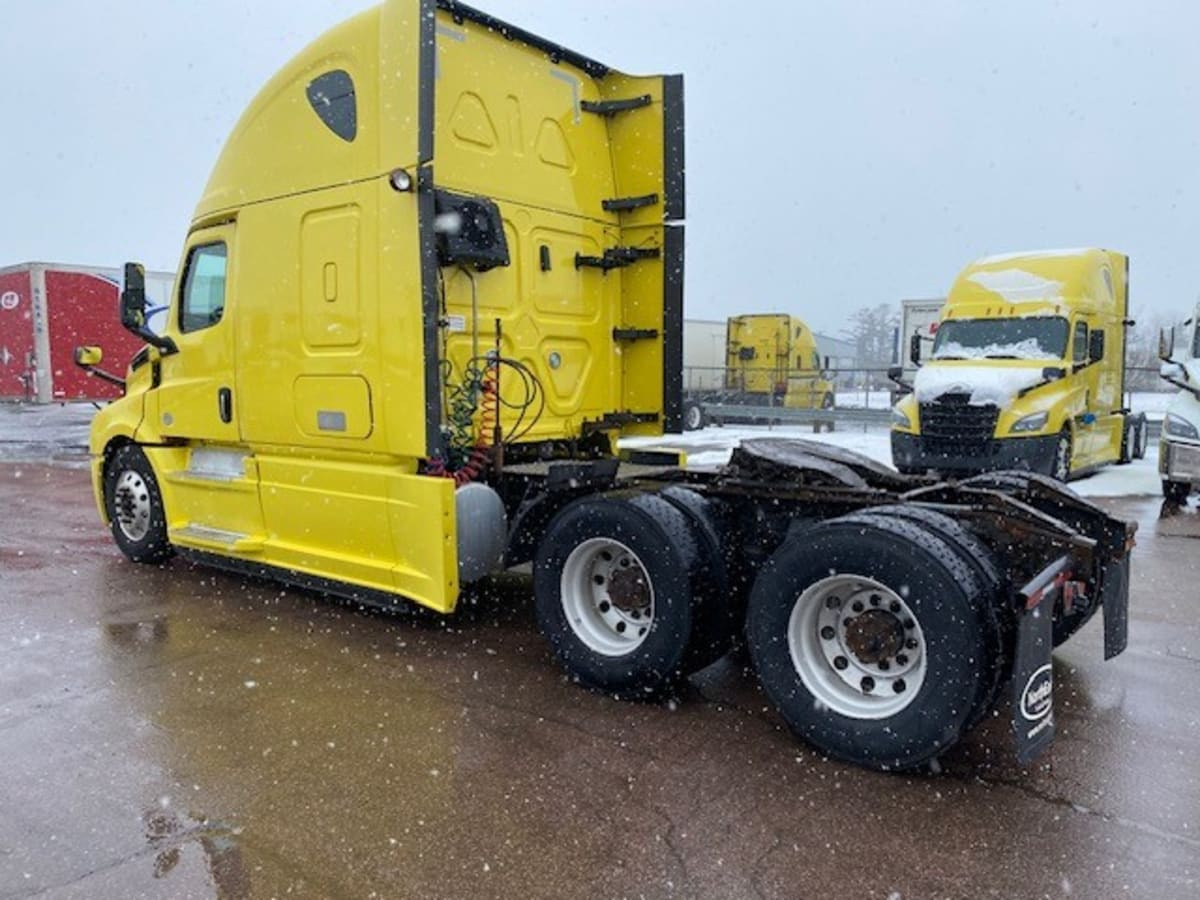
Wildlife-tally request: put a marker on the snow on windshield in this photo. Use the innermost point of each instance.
(994, 385)
(1030, 348)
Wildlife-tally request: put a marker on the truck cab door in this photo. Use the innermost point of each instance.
(196, 398)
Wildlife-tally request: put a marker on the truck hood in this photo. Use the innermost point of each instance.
(995, 383)
(1184, 404)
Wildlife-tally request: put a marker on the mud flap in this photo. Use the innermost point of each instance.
(1114, 595)
(1033, 676)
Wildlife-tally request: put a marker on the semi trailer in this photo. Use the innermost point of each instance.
(400, 361)
(46, 311)
(1026, 370)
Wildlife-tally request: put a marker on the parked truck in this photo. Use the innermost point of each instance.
(435, 275)
(46, 311)
(1026, 371)
(771, 361)
(1179, 442)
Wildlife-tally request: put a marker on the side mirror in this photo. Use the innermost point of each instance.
(826, 364)
(1166, 345)
(133, 309)
(896, 374)
(88, 356)
(1096, 346)
(1053, 373)
(914, 349)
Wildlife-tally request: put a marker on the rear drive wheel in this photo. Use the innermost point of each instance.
(1060, 467)
(693, 416)
(135, 507)
(1141, 437)
(619, 586)
(871, 640)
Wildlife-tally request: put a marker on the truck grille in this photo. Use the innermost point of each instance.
(951, 424)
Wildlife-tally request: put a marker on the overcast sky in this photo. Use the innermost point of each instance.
(839, 154)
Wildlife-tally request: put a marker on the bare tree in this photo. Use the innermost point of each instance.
(872, 329)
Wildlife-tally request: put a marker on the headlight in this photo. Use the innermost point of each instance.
(1180, 428)
(900, 420)
(1035, 422)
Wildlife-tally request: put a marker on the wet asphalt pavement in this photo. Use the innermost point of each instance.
(178, 732)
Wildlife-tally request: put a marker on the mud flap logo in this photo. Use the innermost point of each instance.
(1037, 700)
(10, 300)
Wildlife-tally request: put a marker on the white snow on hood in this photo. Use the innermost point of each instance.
(994, 385)
(1018, 286)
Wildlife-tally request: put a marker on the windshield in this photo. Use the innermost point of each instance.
(1043, 337)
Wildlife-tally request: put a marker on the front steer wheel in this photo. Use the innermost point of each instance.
(623, 590)
(872, 640)
(135, 507)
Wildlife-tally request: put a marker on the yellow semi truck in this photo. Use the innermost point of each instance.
(771, 360)
(435, 275)
(1027, 371)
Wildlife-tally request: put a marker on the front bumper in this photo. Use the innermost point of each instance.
(1035, 454)
(1179, 461)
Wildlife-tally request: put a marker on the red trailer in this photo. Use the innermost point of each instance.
(46, 310)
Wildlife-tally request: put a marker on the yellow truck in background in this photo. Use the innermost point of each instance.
(1027, 371)
(436, 273)
(771, 360)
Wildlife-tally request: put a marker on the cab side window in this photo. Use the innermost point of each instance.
(203, 287)
(1079, 347)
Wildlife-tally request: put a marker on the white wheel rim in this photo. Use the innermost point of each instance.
(857, 646)
(607, 597)
(693, 418)
(1062, 459)
(131, 503)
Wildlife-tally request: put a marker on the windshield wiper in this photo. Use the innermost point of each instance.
(1001, 356)
(941, 357)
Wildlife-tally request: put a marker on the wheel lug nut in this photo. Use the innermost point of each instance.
(894, 606)
(598, 579)
(875, 599)
(884, 665)
(898, 685)
(621, 627)
(604, 606)
(911, 644)
(833, 602)
(901, 659)
(868, 684)
(857, 606)
(828, 633)
(840, 662)
(910, 624)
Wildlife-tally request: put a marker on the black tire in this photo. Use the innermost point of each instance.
(995, 587)
(665, 562)
(1060, 464)
(1142, 434)
(1177, 491)
(942, 592)
(827, 401)
(1126, 455)
(134, 506)
(693, 416)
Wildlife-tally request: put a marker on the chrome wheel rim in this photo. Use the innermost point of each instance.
(131, 505)
(857, 646)
(607, 597)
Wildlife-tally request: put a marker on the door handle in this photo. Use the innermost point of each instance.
(225, 405)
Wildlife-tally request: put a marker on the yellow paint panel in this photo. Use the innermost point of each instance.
(330, 254)
(333, 406)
